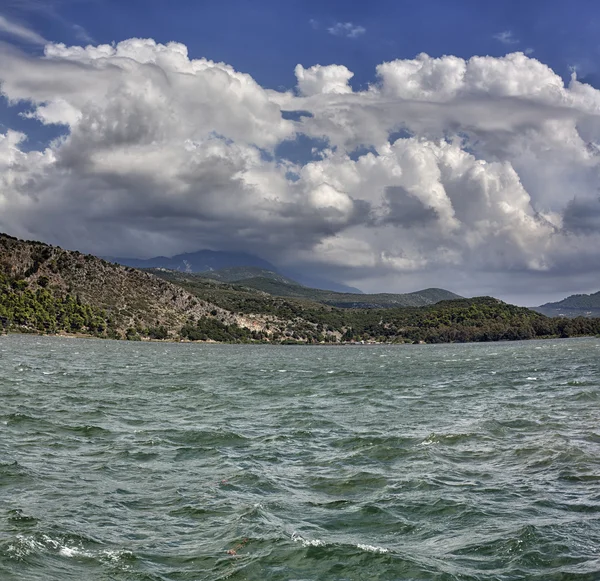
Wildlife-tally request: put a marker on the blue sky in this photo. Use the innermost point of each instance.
(267, 38)
(477, 174)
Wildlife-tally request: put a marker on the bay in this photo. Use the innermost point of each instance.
(157, 461)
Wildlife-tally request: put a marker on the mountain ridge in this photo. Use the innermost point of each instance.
(279, 285)
(577, 305)
(211, 260)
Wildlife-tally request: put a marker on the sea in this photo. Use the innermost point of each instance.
(175, 462)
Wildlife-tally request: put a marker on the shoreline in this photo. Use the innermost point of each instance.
(66, 335)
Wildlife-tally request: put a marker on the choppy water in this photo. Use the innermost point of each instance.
(128, 461)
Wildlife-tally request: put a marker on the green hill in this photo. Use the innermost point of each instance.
(244, 273)
(573, 306)
(350, 300)
(278, 285)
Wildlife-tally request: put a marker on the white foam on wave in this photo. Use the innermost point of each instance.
(24, 546)
(297, 538)
(74, 552)
(307, 542)
(313, 543)
(372, 549)
(115, 556)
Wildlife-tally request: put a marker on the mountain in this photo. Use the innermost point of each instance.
(573, 306)
(201, 261)
(45, 289)
(209, 260)
(278, 285)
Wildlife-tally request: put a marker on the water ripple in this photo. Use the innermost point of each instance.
(190, 462)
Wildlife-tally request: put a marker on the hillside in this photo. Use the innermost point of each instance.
(350, 300)
(45, 289)
(41, 283)
(573, 306)
(281, 286)
(243, 273)
(476, 319)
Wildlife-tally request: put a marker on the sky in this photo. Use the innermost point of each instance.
(390, 145)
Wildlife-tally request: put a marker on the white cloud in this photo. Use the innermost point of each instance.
(347, 29)
(319, 80)
(20, 31)
(492, 168)
(506, 37)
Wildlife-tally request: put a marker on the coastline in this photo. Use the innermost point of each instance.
(66, 335)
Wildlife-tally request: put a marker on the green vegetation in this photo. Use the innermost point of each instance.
(243, 273)
(45, 289)
(478, 319)
(38, 310)
(274, 284)
(209, 328)
(573, 306)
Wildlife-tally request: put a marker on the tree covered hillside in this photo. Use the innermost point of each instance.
(573, 306)
(46, 289)
(37, 309)
(62, 290)
(275, 284)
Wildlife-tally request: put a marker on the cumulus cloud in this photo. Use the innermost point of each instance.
(346, 29)
(444, 171)
(328, 79)
(20, 31)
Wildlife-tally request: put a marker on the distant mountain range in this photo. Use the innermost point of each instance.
(276, 284)
(211, 260)
(573, 306)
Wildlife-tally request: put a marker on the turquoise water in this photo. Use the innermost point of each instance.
(128, 461)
